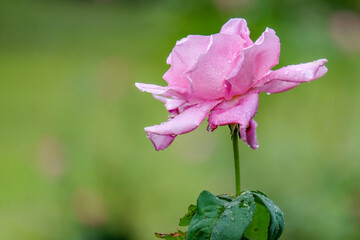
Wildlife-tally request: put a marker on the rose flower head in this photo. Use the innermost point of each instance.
(220, 77)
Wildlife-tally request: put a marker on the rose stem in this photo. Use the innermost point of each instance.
(234, 137)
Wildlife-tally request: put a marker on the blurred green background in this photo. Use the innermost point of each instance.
(75, 162)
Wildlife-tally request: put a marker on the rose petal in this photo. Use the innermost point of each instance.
(160, 142)
(238, 26)
(299, 73)
(290, 76)
(236, 111)
(183, 56)
(185, 122)
(259, 58)
(162, 91)
(171, 104)
(208, 74)
(248, 135)
(276, 86)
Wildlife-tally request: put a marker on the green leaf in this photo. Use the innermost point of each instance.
(218, 218)
(172, 236)
(258, 229)
(226, 197)
(276, 216)
(185, 221)
(250, 216)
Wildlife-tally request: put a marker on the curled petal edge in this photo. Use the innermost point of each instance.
(248, 135)
(160, 142)
(163, 135)
(237, 26)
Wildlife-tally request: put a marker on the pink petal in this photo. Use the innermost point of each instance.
(171, 104)
(238, 26)
(290, 76)
(183, 56)
(209, 72)
(259, 58)
(299, 73)
(236, 111)
(185, 122)
(248, 134)
(276, 86)
(163, 91)
(160, 142)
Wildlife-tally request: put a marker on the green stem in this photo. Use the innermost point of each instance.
(236, 161)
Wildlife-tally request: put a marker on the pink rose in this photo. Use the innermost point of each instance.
(220, 77)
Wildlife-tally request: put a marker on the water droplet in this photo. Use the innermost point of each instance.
(232, 219)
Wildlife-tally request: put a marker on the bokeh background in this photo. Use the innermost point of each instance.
(75, 162)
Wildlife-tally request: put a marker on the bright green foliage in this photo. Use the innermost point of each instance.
(185, 221)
